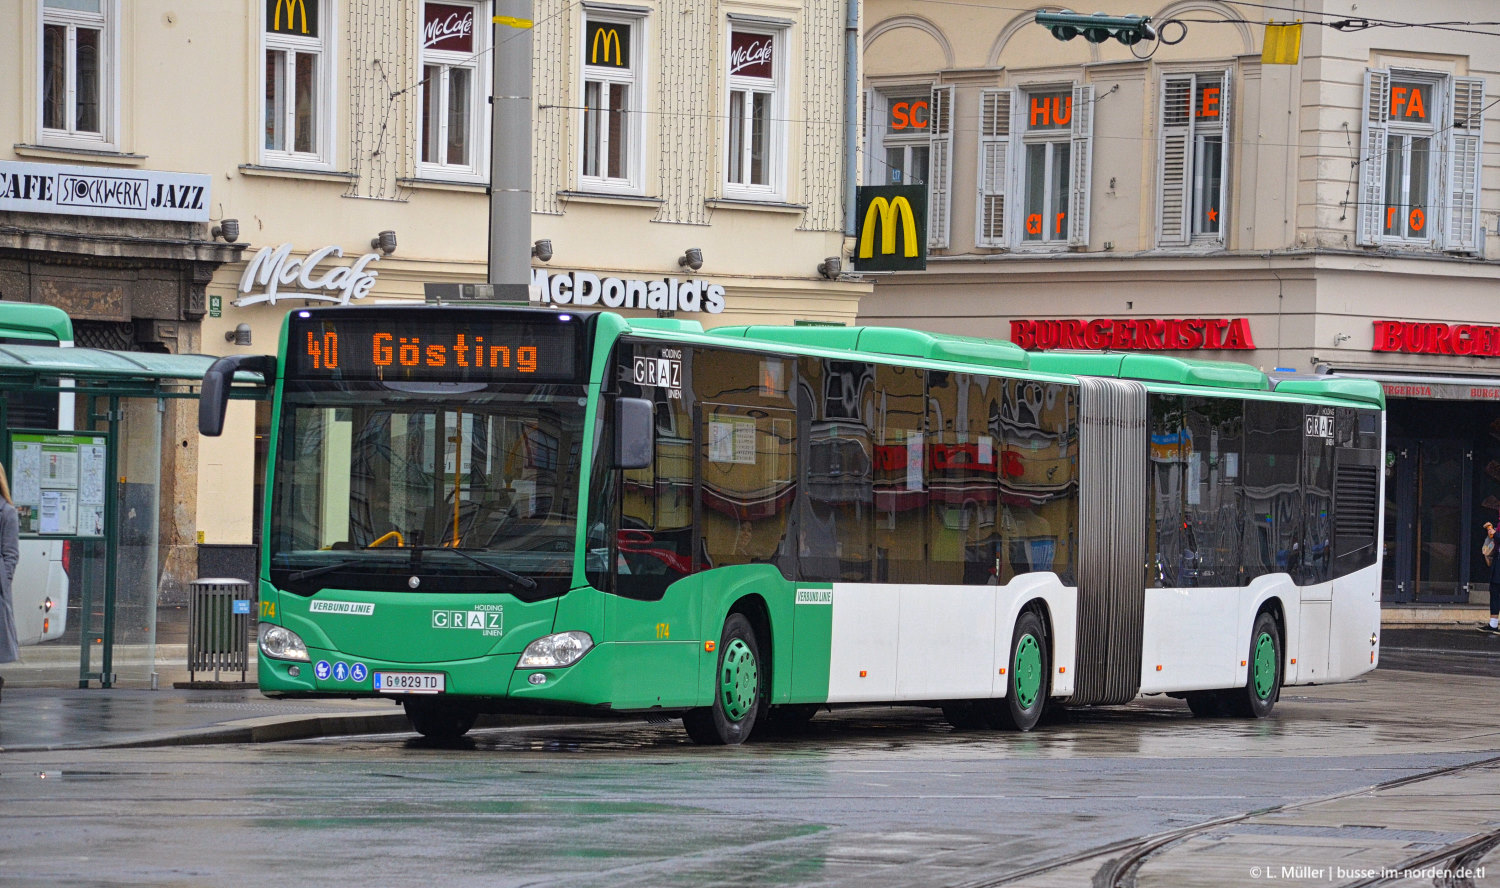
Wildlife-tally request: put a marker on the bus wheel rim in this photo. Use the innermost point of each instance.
(1028, 670)
(1265, 665)
(739, 681)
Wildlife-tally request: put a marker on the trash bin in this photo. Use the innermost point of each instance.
(219, 615)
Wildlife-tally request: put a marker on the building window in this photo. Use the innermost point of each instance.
(611, 96)
(1053, 172)
(453, 89)
(298, 109)
(1419, 160)
(78, 73)
(909, 141)
(756, 86)
(1192, 159)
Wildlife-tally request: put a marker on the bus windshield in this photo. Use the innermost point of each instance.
(427, 487)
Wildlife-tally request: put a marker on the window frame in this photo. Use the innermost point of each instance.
(1051, 139)
(106, 21)
(1456, 130)
(325, 116)
(1407, 132)
(776, 132)
(1179, 191)
(477, 62)
(634, 79)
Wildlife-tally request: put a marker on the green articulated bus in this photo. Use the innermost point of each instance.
(492, 509)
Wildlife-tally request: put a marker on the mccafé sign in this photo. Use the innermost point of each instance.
(584, 289)
(1437, 339)
(1134, 334)
(274, 268)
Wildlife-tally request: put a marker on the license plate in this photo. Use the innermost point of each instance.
(409, 682)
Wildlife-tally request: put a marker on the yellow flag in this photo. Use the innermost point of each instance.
(1283, 45)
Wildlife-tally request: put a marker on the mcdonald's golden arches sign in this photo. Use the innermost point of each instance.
(892, 228)
(606, 45)
(298, 17)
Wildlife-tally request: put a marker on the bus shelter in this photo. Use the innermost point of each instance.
(126, 405)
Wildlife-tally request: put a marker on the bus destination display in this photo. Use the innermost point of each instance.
(450, 349)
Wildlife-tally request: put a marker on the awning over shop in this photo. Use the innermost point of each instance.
(1437, 388)
(100, 372)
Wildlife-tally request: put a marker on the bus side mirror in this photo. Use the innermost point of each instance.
(635, 433)
(213, 397)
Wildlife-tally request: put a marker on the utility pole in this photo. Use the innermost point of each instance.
(510, 152)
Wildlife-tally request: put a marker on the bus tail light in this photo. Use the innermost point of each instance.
(67, 556)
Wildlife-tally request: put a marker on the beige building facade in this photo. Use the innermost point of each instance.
(1335, 214)
(337, 151)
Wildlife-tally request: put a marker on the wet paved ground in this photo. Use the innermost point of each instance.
(872, 797)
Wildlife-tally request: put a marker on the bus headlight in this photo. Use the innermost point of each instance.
(553, 651)
(281, 643)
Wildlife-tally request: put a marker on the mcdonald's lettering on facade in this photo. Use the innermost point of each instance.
(298, 17)
(607, 45)
(892, 228)
(1134, 334)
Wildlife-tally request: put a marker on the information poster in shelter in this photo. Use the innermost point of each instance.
(58, 483)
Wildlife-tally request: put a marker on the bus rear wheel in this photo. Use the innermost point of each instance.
(739, 683)
(1029, 673)
(1263, 684)
(439, 719)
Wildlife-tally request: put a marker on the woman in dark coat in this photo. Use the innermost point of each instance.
(1494, 559)
(10, 553)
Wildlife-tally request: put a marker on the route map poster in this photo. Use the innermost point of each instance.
(57, 481)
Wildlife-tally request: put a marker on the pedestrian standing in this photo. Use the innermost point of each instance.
(1492, 558)
(10, 553)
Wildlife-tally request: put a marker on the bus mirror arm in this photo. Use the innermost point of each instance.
(213, 397)
(635, 433)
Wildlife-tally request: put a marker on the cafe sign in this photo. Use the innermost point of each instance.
(275, 274)
(91, 191)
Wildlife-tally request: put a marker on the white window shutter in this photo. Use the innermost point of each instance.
(1465, 137)
(994, 167)
(1377, 115)
(876, 106)
(1174, 162)
(940, 168)
(1082, 150)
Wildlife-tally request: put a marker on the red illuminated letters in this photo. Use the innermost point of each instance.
(1051, 110)
(1134, 334)
(912, 115)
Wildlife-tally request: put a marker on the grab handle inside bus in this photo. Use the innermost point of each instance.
(635, 433)
(213, 397)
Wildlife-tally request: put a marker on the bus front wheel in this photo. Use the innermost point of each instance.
(439, 719)
(739, 682)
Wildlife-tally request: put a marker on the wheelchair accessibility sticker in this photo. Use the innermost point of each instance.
(340, 671)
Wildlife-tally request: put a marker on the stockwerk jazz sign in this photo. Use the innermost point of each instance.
(273, 269)
(91, 191)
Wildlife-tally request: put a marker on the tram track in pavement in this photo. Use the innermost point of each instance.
(1121, 862)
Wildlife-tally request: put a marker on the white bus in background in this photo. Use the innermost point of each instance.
(40, 591)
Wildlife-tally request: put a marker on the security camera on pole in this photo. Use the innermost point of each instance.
(510, 152)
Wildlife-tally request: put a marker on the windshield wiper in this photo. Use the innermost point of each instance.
(311, 572)
(524, 582)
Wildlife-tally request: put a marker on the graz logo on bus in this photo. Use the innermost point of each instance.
(488, 619)
(608, 45)
(663, 372)
(893, 228)
(292, 17)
